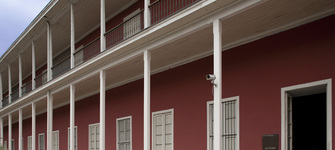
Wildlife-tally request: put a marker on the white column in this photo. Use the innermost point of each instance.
(147, 70)
(1, 131)
(9, 85)
(20, 75)
(72, 37)
(102, 109)
(102, 26)
(33, 125)
(9, 131)
(49, 52)
(1, 94)
(33, 67)
(20, 130)
(49, 120)
(146, 13)
(72, 115)
(217, 31)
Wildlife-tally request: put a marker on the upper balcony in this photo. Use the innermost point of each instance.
(124, 18)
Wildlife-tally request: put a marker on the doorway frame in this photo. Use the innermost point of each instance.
(308, 87)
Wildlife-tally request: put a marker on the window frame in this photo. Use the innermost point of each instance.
(13, 144)
(39, 141)
(75, 137)
(237, 123)
(153, 125)
(30, 142)
(117, 131)
(5, 144)
(89, 135)
(53, 140)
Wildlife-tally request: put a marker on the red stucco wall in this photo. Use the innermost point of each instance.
(256, 72)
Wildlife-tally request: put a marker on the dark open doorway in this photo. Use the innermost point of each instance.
(309, 120)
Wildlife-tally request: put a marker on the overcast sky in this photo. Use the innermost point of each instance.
(15, 16)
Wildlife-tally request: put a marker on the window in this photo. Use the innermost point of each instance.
(41, 142)
(132, 24)
(75, 138)
(55, 140)
(30, 142)
(230, 124)
(162, 126)
(123, 130)
(21, 142)
(94, 136)
(13, 144)
(5, 144)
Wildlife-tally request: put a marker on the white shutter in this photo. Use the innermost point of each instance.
(163, 130)
(30, 142)
(55, 140)
(124, 133)
(97, 137)
(94, 137)
(158, 119)
(41, 141)
(168, 131)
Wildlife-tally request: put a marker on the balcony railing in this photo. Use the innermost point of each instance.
(15, 95)
(61, 67)
(41, 79)
(125, 30)
(159, 10)
(162, 9)
(87, 52)
(26, 88)
(5, 101)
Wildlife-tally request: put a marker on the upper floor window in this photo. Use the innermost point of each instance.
(162, 126)
(230, 124)
(123, 128)
(132, 24)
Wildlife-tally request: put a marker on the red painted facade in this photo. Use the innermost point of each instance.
(255, 71)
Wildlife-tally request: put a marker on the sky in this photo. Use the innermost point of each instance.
(15, 16)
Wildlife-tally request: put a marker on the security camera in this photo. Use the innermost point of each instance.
(210, 77)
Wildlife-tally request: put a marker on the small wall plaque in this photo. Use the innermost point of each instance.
(270, 142)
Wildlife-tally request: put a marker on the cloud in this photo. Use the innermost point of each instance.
(15, 16)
